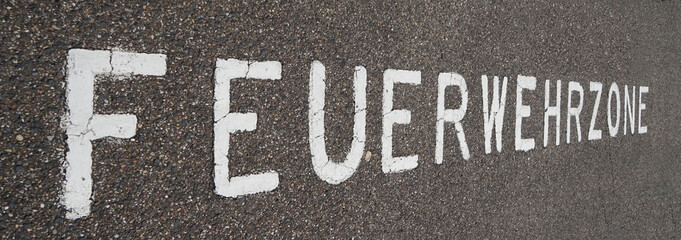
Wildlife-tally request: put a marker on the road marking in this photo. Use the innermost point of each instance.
(629, 109)
(392, 116)
(83, 126)
(227, 123)
(574, 111)
(595, 134)
(613, 129)
(329, 171)
(493, 118)
(641, 107)
(523, 111)
(551, 111)
(455, 116)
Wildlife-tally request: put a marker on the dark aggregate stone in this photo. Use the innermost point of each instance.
(160, 185)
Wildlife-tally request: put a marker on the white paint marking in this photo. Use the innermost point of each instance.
(613, 129)
(629, 109)
(451, 115)
(227, 123)
(392, 116)
(125, 63)
(493, 118)
(595, 134)
(575, 111)
(551, 111)
(329, 171)
(83, 126)
(641, 107)
(522, 111)
(114, 125)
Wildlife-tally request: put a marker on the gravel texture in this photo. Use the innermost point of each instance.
(160, 184)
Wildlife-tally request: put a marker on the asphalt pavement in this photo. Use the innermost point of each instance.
(160, 184)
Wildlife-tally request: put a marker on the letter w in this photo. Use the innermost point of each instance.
(495, 116)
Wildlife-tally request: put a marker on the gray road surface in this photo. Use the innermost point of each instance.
(160, 183)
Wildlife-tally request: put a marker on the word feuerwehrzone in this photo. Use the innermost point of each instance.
(83, 125)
